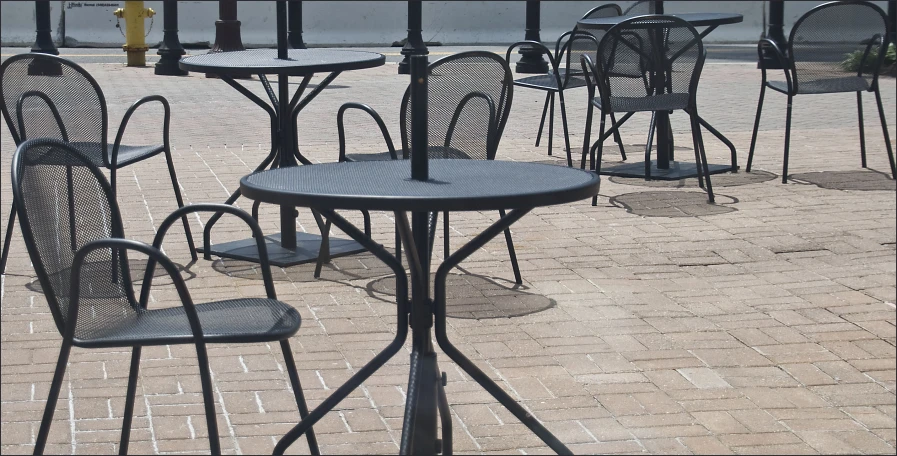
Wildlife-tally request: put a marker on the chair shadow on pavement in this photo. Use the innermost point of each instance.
(474, 296)
(673, 204)
(359, 266)
(137, 267)
(859, 180)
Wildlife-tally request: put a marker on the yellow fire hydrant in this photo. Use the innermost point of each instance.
(135, 44)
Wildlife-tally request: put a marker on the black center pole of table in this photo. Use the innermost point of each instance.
(287, 214)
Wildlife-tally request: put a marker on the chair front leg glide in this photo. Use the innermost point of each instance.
(11, 223)
(50, 407)
(508, 240)
(787, 140)
(129, 401)
(542, 121)
(756, 127)
(862, 132)
(884, 129)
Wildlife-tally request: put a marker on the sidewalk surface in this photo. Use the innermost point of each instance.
(652, 323)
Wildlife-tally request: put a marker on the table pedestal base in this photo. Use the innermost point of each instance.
(307, 247)
(676, 171)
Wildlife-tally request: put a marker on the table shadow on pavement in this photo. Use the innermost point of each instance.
(474, 296)
(848, 180)
(352, 267)
(673, 204)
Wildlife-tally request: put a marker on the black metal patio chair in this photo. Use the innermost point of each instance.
(568, 49)
(668, 54)
(641, 7)
(74, 235)
(470, 96)
(819, 41)
(45, 96)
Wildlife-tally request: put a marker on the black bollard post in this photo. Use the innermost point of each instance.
(775, 33)
(892, 22)
(170, 50)
(227, 31)
(43, 43)
(295, 25)
(532, 60)
(414, 44)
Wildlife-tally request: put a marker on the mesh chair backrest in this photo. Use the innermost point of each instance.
(821, 39)
(642, 7)
(574, 46)
(462, 89)
(64, 202)
(59, 99)
(637, 53)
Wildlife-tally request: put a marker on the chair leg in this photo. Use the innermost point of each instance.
(697, 131)
(566, 131)
(324, 249)
(542, 121)
(446, 243)
(300, 397)
(787, 140)
(517, 279)
(596, 163)
(862, 132)
(50, 407)
(129, 401)
(177, 195)
(9, 227)
(756, 127)
(694, 136)
(884, 129)
(585, 137)
(649, 144)
(205, 378)
(617, 138)
(550, 122)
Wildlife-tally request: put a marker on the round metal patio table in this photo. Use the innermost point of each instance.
(288, 247)
(666, 168)
(453, 185)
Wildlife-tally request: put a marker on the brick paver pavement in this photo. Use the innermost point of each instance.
(652, 323)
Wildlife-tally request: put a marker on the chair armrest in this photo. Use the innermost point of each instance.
(342, 131)
(154, 254)
(113, 160)
(534, 44)
(786, 64)
(211, 207)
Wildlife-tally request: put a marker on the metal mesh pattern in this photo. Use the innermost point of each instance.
(643, 7)
(647, 57)
(823, 37)
(74, 94)
(458, 112)
(299, 61)
(548, 81)
(577, 45)
(233, 320)
(64, 205)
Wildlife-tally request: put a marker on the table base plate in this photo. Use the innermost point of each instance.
(307, 246)
(677, 170)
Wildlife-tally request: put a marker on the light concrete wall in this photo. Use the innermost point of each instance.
(377, 23)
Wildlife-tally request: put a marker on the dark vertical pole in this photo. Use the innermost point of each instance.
(658, 7)
(421, 435)
(295, 25)
(531, 60)
(282, 31)
(227, 28)
(414, 43)
(43, 43)
(775, 33)
(286, 145)
(170, 50)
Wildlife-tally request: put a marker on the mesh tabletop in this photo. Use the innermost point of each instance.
(265, 61)
(454, 185)
(695, 19)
